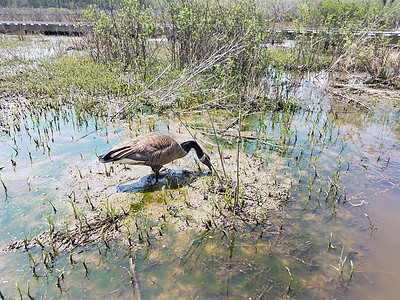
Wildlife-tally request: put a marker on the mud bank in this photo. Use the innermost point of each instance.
(365, 97)
(112, 201)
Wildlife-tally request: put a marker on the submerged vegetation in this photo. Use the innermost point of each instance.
(219, 72)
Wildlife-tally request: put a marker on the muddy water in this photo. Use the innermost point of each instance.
(375, 179)
(366, 226)
(219, 264)
(308, 240)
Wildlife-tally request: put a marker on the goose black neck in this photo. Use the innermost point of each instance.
(192, 145)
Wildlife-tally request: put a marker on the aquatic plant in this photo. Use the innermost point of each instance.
(289, 287)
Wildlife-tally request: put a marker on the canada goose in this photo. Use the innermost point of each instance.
(153, 150)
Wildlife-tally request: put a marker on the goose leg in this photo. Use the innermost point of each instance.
(156, 170)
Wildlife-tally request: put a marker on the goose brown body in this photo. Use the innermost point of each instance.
(153, 150)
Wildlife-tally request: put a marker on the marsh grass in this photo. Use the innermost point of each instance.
(142, 231)
(376, 58)
(194, 58)
(203, 69)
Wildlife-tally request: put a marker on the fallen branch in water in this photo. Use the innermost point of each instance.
(341, 97)
(95, 229)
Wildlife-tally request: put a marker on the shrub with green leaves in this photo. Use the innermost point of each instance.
(358, 14)
(122, 35)
(201, 27)
(196, 31)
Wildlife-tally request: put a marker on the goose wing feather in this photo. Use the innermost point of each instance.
(150, 149)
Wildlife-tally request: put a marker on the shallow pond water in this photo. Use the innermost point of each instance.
(336, 238)
(21, 52)
(219, 265)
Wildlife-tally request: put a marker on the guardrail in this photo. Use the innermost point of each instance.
(392, 36)
(50, 28)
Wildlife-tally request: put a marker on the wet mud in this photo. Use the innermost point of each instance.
(364, 97)
(109, 200)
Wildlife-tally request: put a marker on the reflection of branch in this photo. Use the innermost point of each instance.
(134, 279)
(235, 204)
(231, 246)
(191, 251)
(371, 226)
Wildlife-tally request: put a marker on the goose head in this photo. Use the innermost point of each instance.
(205, 159)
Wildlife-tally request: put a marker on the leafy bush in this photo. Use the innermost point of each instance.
(359, 14)
(199, 32)
(122, 35)
(199, 28)
(374, 57)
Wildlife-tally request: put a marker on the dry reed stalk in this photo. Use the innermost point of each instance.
(236, 201)
(218, 148)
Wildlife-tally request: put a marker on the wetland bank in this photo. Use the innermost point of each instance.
(304, 141)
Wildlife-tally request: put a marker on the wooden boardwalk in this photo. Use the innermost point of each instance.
(392, 36)
(49, 28)
(52, 28)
